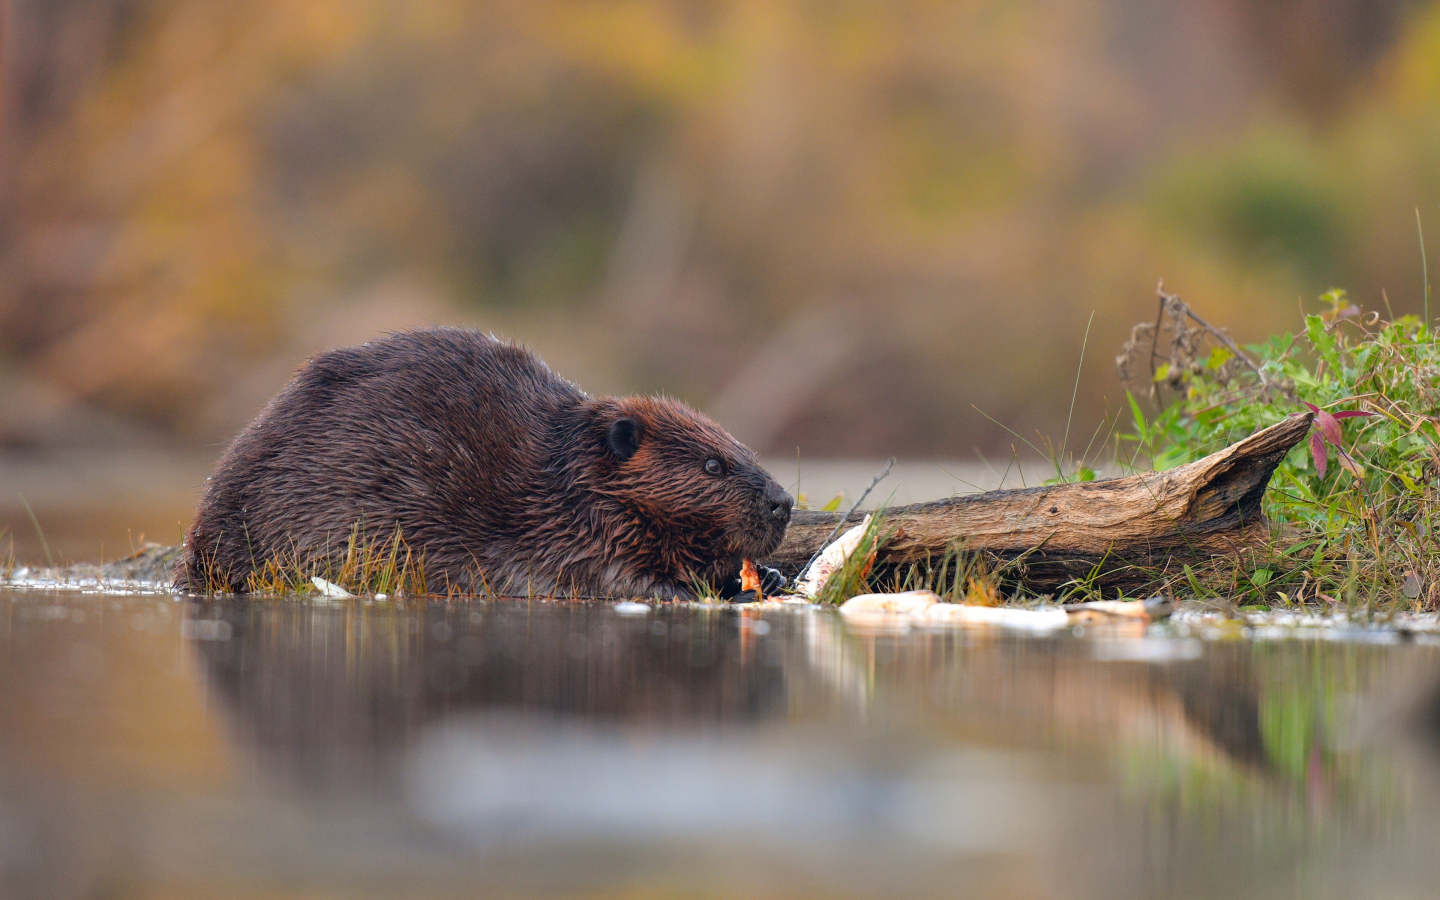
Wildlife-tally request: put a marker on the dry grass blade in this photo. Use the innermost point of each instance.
(367, 566)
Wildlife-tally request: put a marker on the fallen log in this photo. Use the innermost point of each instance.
(1122, 529)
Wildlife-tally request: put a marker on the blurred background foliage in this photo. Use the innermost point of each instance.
(839, 226)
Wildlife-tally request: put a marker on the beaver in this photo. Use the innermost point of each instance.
(507, 478)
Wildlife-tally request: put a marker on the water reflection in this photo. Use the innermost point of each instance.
(432, 749)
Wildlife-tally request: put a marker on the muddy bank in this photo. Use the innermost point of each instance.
(147, 570)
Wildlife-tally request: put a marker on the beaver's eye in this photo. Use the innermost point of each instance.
(714, 466)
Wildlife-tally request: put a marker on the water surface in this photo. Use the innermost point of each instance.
(160, 747)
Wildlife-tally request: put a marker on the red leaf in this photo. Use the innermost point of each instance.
(1348, 413)
(1318, 452)
(1313, 407)
(1328, 427)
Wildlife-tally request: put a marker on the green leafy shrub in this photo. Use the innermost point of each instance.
(1360, 531)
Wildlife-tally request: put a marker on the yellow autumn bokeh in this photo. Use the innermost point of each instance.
(914, 207)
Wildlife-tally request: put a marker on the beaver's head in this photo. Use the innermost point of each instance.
(696, 498)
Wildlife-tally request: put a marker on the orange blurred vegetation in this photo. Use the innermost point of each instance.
(838, 225)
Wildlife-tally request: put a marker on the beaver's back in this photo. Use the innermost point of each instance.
(441, 433)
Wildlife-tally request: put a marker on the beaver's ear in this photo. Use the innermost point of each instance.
(624, 437)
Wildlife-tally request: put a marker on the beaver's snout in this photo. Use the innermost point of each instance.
(779, 502)
(760, 523)
(774, 515)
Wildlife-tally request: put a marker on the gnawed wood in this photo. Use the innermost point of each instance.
(1124, 527)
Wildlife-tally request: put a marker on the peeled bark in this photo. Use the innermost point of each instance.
(1121, 529)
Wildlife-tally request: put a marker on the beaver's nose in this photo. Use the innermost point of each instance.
(780, 502)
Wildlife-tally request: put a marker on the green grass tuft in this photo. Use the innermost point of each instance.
(853, 576)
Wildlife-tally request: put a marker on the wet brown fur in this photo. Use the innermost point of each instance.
(506, 477)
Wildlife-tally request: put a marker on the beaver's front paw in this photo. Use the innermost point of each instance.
(771, 582)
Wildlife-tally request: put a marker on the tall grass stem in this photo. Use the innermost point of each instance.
(44, 545)
(1074, 392)
(1424, 265)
